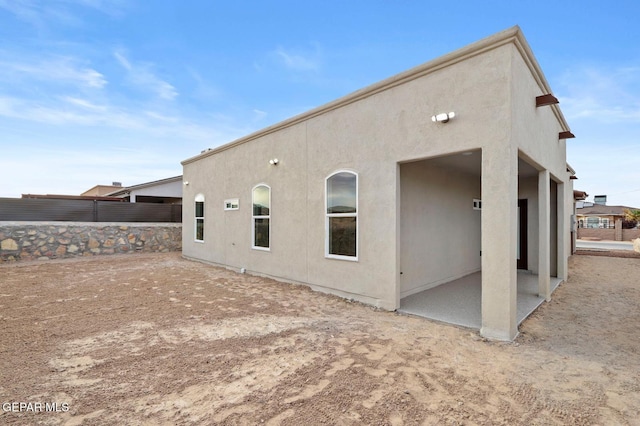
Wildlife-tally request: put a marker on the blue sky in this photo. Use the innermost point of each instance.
(95, 91)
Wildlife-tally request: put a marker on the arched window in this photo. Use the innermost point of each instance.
(261, 217)
(199, 218)
(341, 198)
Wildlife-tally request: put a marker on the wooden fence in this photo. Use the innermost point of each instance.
(33, 209)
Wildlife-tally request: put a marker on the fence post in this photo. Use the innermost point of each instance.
(618, 228)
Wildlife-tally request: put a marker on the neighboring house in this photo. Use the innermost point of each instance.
(600, 216)
(71, 197)
(578, 197)
(101, 190)
(382, 194)
(164, 191)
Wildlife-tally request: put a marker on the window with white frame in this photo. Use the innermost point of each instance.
(261, 216)
(199, 218)
(231, 204)
(341, 198)
(593, 222)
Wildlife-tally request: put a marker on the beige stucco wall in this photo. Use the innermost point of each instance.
(369, 136)
(535, 130)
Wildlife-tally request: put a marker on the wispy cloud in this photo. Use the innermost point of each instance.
(71, 111)
(299, 61)
(59, 69)
(148, 124)
(45, 13)
(203, 89)
(108, 7)
(259, 114)
(83, 103)
(142, 76)
(161, 117)
(606, 95)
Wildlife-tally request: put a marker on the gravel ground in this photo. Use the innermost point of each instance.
(156, 339)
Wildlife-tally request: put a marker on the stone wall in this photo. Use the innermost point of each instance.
(55, 240)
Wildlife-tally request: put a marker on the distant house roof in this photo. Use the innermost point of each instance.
(72, 197)
(126, 190)
(599, 210)
(101, 190)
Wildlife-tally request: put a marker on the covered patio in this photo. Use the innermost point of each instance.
(459, 302)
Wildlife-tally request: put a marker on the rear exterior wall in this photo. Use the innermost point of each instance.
(370, 136)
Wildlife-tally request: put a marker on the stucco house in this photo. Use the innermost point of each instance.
(600, 215)
(452, 169)
(163, 191)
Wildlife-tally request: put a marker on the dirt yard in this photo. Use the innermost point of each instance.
(155, 339)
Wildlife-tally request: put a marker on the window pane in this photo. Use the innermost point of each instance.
(261, 233)
(200, 229)
(199, 209)
(342, 236)
(341, 193)
(261, 201)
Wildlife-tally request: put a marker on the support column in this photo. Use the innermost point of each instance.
(499, 238)
(544, 252)
(564, 230)
(398, 233)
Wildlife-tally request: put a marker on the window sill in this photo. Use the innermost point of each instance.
(339, 257)
(261, 248)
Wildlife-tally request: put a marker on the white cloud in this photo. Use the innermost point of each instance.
(73, 114)
(61, 69)
(83, 103)
(46, 13)
(309, 61)
(123, 61)
(108, 7)
(72, 111)
(203, 89)
(259, 114)
(141, 76)
(605, 95)
(161, 117)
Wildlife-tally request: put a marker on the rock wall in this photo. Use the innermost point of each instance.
(55, 240)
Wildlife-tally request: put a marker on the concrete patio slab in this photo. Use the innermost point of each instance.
(459, 302)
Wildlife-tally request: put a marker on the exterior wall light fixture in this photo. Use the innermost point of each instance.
(443, 117)
(274, 162)
(186, 182)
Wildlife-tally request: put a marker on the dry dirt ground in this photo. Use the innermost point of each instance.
(147, 339)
